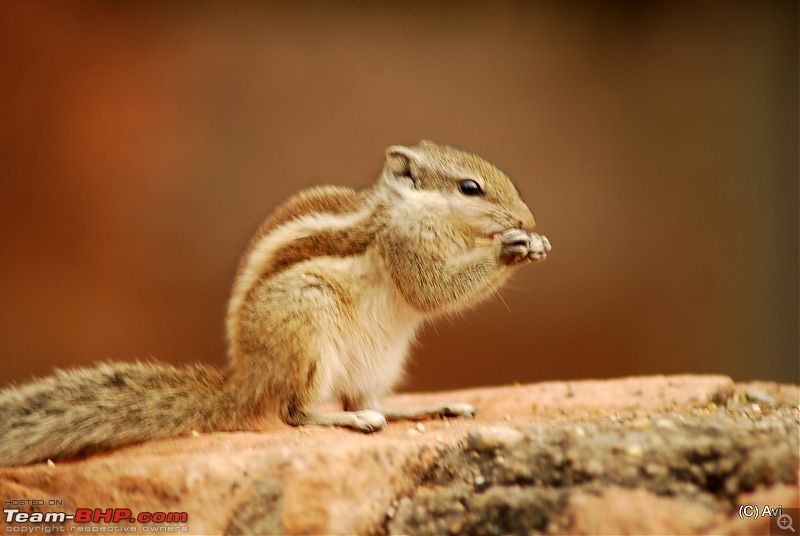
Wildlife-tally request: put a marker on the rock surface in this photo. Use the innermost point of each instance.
(648, 455)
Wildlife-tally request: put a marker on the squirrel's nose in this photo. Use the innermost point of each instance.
(524, 216)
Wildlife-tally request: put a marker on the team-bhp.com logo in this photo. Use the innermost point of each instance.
(87, 519)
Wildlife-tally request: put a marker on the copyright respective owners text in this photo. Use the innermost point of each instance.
(54, 516)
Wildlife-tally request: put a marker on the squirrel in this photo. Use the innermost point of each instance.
(325, 304)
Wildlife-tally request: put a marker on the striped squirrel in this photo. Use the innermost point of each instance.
(326, 301)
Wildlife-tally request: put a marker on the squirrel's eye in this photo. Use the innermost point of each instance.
(469, 187)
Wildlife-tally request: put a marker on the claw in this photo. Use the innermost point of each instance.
(539, 246)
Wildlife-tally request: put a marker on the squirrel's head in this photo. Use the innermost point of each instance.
(468, 187)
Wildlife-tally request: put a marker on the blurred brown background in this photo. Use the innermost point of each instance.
(657, 143)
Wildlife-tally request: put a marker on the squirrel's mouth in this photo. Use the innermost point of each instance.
(494, 231)
(490, 235)
(493, 228)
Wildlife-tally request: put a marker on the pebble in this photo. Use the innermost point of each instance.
(480, 483)
(635, 450)
(492, 437)
(641, 424)
(757, 395)
(654, 469)
(594, 467)
(665, 423)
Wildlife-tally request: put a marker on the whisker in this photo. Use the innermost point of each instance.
(504, 302)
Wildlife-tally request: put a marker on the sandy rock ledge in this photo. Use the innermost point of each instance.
(647, 455)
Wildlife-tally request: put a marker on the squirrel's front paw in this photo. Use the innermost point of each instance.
(514, 246)
(538, 247)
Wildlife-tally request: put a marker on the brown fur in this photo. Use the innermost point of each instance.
(332, 199)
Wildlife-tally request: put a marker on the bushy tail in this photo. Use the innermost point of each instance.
(83, 410)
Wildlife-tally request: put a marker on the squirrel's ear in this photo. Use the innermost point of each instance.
(399, 161)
